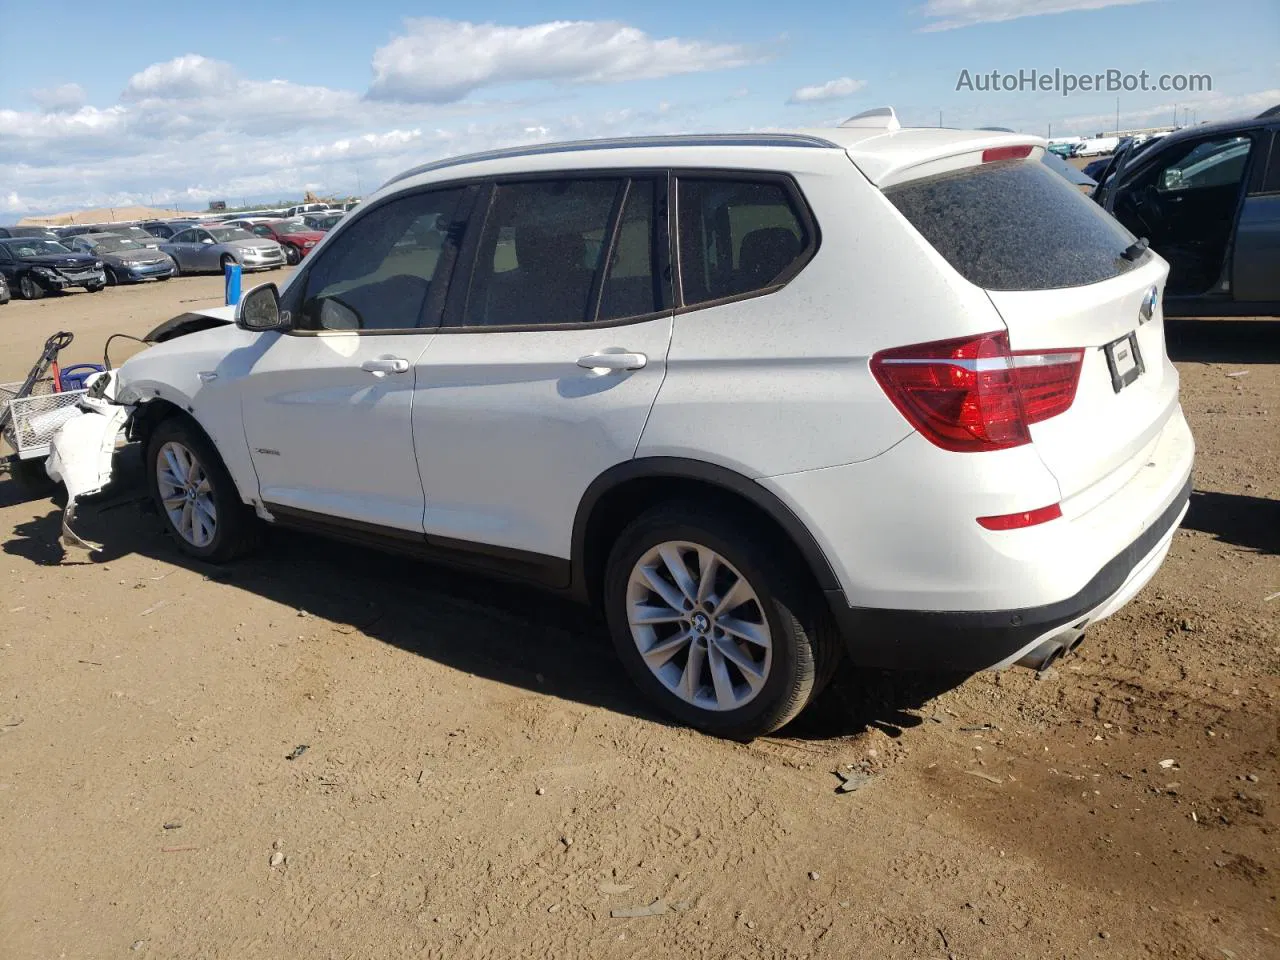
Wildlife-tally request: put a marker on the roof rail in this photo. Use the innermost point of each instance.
(877, 118)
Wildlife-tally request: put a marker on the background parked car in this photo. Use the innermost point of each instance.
(164, 229)
(294, 236)
(4, 291)
(211, 247)
(124, 260)
(43, 232)
(34, 266)
(301, 208)
(324, 222)
(1208, 200)
(134, 233)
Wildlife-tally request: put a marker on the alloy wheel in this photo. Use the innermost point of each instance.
(186, 494)
(699, 625)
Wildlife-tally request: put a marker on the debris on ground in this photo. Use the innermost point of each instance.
(1167, 764)
(297, 751)
(173, 825)
(655, 909)
(851, 780)
(610, 889)
(277, 858)
(984, 776)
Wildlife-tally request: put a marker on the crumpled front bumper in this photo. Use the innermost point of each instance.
(81, 456)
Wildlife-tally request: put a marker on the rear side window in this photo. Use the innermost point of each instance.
(1015, 225)
(737, 237)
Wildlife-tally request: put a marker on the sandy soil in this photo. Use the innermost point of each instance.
(481, 781)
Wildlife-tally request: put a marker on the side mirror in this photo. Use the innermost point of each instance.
(259, 310)
(206, 240)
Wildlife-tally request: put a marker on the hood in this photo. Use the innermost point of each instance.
(254, 244)
(304, 236)
(61, 260)
(147, 254)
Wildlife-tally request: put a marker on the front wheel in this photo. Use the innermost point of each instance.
(227, 260)
(711, 625)
(177, 268)
(29, 289)
(112, 279)
(96, 287)
(195, 495)
(292, 255)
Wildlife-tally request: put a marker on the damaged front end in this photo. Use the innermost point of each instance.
(82, 452)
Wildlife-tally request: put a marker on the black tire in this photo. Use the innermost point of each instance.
(96, 287)
(238, 531)
(29, 288)
(227, 259)
(292, 255)
(805, 647)
(112, 279)
(177, 268)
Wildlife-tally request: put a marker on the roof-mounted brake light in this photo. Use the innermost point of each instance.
(1018, 152)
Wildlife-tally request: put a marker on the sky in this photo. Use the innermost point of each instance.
(178, 104)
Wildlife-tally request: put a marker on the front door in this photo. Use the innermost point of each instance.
(549, 360)
(1256, 254)
(327, 407)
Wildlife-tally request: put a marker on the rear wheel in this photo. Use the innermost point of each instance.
(195, 495)
(29, 289)
(711, 626)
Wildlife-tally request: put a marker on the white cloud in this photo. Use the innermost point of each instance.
(65, 96)
(953, 14)
(181, 78)
(441, 61)
(836, 89)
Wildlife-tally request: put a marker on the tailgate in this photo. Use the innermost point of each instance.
(1128, 388)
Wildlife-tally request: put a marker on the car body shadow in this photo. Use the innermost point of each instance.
(507, 632)
(1223, 341)
(1249, 522)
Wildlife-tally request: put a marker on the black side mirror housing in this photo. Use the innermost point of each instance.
(259, 310)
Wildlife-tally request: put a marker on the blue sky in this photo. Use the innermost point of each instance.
(181, 103)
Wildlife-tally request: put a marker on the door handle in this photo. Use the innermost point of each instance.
(613, 362)
(381, 366)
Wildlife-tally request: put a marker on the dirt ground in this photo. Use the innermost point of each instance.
(480, 780)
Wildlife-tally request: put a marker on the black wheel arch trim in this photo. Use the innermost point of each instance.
(682, 468)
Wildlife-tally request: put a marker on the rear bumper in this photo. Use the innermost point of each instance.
(971, 640)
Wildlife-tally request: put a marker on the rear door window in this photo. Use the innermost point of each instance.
(1015, 225)
(540, 255)
(738, 236)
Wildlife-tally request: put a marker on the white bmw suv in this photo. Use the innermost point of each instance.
(766, 399)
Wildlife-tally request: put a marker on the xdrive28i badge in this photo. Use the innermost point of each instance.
(1148, 308)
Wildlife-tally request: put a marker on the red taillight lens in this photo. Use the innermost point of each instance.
(974, 393)
(1028, 518)
(991, 154)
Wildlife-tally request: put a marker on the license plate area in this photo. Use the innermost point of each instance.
(1124, 361)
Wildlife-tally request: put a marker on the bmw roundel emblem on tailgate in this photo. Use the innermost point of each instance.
(1148, 308)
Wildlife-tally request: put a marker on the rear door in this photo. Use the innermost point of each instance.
(1255, 267)
(1064, 276)
(549, 360)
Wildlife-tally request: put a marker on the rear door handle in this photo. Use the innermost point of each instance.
(614, 362)
(381, 366)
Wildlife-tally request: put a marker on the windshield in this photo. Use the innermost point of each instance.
(289, 227)
(1015, 225)
(227, 234)
(114, 244)
(35, 247)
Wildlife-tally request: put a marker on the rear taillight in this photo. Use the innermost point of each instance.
(974, 393)
(1027, 518)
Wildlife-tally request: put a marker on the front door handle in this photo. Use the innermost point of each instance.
(384, 365)
(613, 362)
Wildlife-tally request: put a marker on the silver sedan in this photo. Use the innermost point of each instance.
(212, 248)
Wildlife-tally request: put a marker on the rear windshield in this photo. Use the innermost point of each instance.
(1015, 225)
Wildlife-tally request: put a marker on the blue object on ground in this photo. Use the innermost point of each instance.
(232, 271)
(74, 376)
